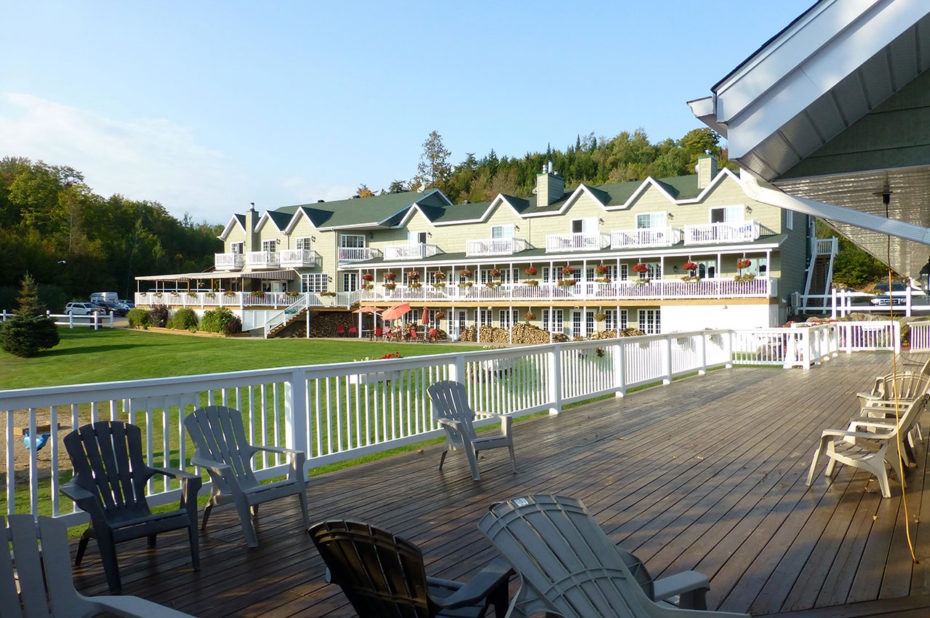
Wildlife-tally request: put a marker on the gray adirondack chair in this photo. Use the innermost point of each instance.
(383, 575)
(569, 566)
(224, 451)
(109, 484)
(887, 436)
(35, 577)
(455, 416)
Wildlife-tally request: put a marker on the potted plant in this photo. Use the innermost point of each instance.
(465, 274)
(413, 276)
(368, 277)
(600, 317)
(532, 282)
(439, 276)
(292, 293)
(389, 285)
(494, 272)
(228, 293)
(743, 263)
(327, 293)
(530, 271)
(414, 285)
(389, 276)
(568, 271)
(440, 315)
(465, 284)
(566, 282)
(640, 268)
(192, 295)
(600, 270)
(529, 316)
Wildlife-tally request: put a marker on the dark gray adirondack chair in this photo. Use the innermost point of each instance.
(35, 578)
(570, 567)
(455, 416)
(383, 575)
(109, 484)
(222, 448)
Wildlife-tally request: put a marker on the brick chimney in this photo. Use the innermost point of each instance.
(706, 169)
(550, 187)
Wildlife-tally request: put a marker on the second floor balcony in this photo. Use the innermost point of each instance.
(494, 246)
(299, 258)
(228, 261)
(645, 237)
(709, 233)
(556, 243)
(263, 259)
(357, 254)
(410, 251)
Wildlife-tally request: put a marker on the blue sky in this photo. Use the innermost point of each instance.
(207, 106)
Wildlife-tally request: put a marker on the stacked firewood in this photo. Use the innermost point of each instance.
(612, 334)
(523, 334)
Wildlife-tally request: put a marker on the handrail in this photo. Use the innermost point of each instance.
(281, 317)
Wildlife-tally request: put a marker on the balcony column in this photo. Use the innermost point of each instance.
(478, 324)
(403, 283)
(662, 272)
(551, 289)
(510, 319)
(510, 281)
(584, 278)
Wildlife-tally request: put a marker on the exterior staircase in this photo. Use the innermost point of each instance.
(280, 321)
(819, 273)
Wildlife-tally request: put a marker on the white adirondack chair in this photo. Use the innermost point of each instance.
(222, 448)
(570, 567)
(886, 436)
(455, 416)
(35, 577)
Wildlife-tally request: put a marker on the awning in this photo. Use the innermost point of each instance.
(273, 275)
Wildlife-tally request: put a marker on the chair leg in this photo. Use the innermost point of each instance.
(472, 462)
(442, 459)
(206, 515)
(254, 510)
(82, 545)
(513, 460)
(302, 497)
(245, 518)
(108, 557)
(813, 468)
(194, 538)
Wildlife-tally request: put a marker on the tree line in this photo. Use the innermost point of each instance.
(74, 242)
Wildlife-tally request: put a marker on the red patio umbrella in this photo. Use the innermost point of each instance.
(425, 319)
(367, 310)
(396, 311)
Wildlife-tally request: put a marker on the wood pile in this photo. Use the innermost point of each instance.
(612, 334)
(324, 325)
(523, 334)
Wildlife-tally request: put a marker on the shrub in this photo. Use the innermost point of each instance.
(160, 315)
(233, 326)
(139, 318)
(218, 320)
(183, 319)
(30, 331)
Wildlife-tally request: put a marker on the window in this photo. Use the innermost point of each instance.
(589, 322)
(726, 214)
(461, 320)
(552, 320)
(650, 220)
(611, 323)
(268, 246)
(349, 282)
(502, 231)
(304, 243)
(624, 272)
(502, 318)
(313, 283)
(484, 317)
(649, 321)
(236, 247)
(416, 238)
(653, 271)
(576, 323)
(707, 269)
(352, 241)
(587, 225)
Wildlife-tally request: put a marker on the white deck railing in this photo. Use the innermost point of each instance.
(241, 300)
(413, 251)
(263, 259)
(345, 410)
(298, 258)
(357, 254)
(93, 320)
(494, 246)
(228, 261)
(645, 237)
(576, 242)
(742, 231)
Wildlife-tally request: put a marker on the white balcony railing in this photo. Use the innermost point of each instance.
(228, 261)
(307, 403)
(645, 237)
(263, 259)
(412, 251)
(576, 242)
(243, 300)
(494, 246)
(357, 254)
(706, 233)
(298, 258)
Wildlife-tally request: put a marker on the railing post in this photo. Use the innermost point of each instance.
(668, 360)
(96, 319)
(703, 343)
(896, 333)
(619, 367)
(729, 349)
(555, 379)
(833, 306)
(805, 347)
(457, 369)
(296, 413)
(907, 303)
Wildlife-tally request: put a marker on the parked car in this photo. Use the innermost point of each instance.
(116, 308)
(127, 304)
(896, 297)
(84, 309)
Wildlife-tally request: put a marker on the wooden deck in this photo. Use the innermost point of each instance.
(707, 473)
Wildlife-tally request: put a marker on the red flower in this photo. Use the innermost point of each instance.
(741, 264)
(413, 275)
(530, 271)
(690, 266)
(389, 276)
(600, 269)
(568, 270)
(640, 268)
(368, 277)
(466, 274)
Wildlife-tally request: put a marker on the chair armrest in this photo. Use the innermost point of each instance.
(296, 457)
(497, 573)
(85, 500)
(174, 473)
(678, 584)
(451, 424)
(278, 449)
(135, 606)
(865, 435)
(215, 467)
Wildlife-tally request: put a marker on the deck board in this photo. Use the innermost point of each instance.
(705, 473)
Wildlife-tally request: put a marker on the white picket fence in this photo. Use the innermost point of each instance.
(344, 410)
(94, 320)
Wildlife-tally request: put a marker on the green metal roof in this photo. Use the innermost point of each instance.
(280, 219)
(356, 211)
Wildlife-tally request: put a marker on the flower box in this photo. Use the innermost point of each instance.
(567, 282)
(414, 285)
(439, 284)
(602, 280)
(492, 284)
(465, 284)
(373, 377)
(331, 294)
(532, 282)
(390, 286)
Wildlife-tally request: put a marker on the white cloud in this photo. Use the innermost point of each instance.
(151, 158)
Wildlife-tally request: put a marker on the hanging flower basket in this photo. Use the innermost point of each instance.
(690, 266)
(601, 270)
(413, 275)
(741, 264)
(389, 276)
(494, 272)
(439, 276)
(530, 271)
(440, 315)
(368, 277)
(465, 274)
(600, 317)
(529, 316)
(568, 271)
(640, 268)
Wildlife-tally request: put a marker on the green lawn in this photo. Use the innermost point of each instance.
(115, 354)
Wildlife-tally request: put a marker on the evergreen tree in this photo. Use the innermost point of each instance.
(30, 331)
(434, 167)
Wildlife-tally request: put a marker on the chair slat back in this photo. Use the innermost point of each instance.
(381, 574)
(450, 401)
(219, 434)
(564, 555)
(108, 462)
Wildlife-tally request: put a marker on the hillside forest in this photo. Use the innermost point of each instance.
(74, 241)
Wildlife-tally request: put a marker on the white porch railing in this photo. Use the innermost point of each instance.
(742, 231)
(263, 259)
(413, 251)
(241, 300)
(228, 261)
(298, 258)
(357, 254)
(494, 246)
(645, 237)
(345, 410)
(94, 320)
(576, 242)
(608, 292)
